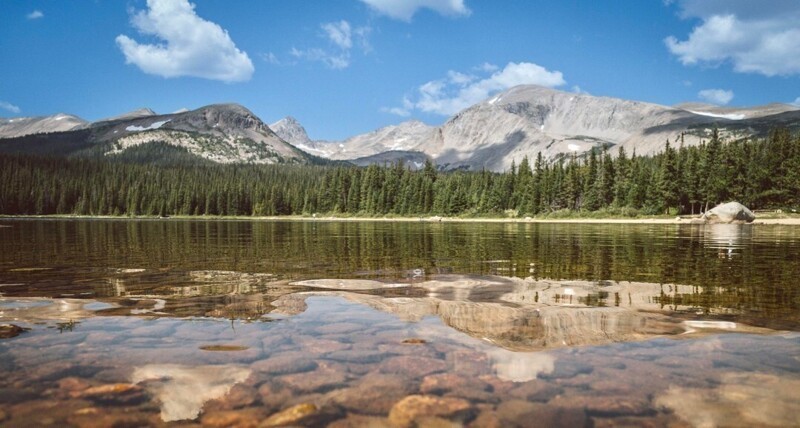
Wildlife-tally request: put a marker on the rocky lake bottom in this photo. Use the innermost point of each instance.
(113, 327)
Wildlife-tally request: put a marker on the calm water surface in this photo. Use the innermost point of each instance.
(253, 323)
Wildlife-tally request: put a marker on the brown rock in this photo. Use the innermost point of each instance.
(239, 396)
(639, 422)
(272, 343)
(535, 390)
(113, 394)
(360, 421)
(395, 348)
(453, 384)
(441, 382)
(73, 384)
(357, 356)
(324, 378)
(320, 346)
(487, 419)
(518, 413)
(470, 363)
(274, 397)
(305, 414)
(415, 407)
(437, 422)
(340, 328)
(7, 331)
(285, 364)
(102, 419)
(499, 386)
(375, 394)
(244, 418)
(3, 415)
(412, 366)
(606, 405)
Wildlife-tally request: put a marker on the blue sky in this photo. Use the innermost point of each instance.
(344, 67)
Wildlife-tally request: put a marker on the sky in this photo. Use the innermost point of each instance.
(345, 67)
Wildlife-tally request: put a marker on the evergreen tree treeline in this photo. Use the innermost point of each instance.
(759, 173)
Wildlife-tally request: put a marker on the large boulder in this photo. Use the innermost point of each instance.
(731, 212)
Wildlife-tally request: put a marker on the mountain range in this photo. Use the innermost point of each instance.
(492, 134)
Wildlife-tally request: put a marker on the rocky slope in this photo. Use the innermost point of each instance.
(222, 133)
(135, 114)
(522, 121)
(526, 120)
(19, 126)
(384, 144)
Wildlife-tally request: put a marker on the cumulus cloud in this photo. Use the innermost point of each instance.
(716, 96)
(339, 33)
(458, 90)
(486, 67)
(755, 37)
(578, 90)
(36, 14)
(191, 45)
(336, 61)
(402, 111)
(404, 10)
(10, 107)
(341, 36)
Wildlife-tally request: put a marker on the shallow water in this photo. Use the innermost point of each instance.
(226, 323)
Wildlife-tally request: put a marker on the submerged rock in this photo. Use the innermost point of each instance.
(374, 394)
(415, 407)
(113, 394)
(741, 399)
(7, 331)
(731, 212)
(305, 414)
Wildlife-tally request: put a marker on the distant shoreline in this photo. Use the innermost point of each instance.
(787, 221)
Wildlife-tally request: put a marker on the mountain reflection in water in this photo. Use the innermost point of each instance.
(309, 324)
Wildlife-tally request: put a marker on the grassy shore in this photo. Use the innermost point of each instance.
(772, 218)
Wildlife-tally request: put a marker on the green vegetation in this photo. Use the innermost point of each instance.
(761, 174)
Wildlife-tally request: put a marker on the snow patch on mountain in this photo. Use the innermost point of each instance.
(731, 116)
(154, 125)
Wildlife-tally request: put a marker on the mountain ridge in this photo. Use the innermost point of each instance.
(222, 133)
(491, 134)
(526, 120)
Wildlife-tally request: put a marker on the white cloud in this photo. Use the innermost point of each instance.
(271, 58)
(10, 107)
(404, 10)
(458, 91)
(335, 61)
(403, 111)
(577, 89)
(36, 14)
(342, 36)
(755, 37)
(796, 102)
(193, 46)
(716, 96)
(486, 67)
(339, 33)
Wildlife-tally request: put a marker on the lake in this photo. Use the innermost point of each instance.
(316, 323)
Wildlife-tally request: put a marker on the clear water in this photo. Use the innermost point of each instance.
(248, 323)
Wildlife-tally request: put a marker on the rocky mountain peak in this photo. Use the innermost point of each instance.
(19, 126)
(220, 118)
(291, 131)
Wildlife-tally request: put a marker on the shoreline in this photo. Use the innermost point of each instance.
(787, 221)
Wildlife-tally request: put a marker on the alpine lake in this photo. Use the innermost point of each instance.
(322, 323)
